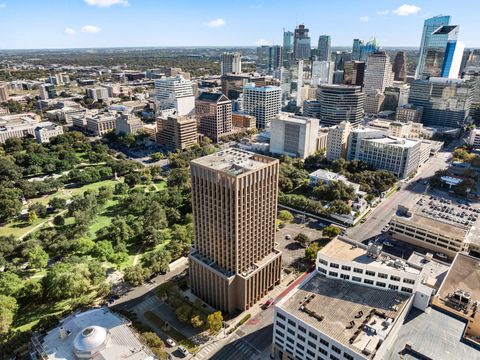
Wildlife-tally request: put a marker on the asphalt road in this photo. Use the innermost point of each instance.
(381, 215)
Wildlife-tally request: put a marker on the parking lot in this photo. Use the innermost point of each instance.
(292, 252)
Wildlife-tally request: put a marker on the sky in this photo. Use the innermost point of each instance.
(36, 24)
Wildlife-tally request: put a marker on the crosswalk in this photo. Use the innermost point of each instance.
(237, 349)
(146, 304)
(149, 286)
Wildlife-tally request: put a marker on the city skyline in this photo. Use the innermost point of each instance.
(139, 23)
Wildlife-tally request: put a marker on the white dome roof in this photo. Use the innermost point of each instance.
(90, 339)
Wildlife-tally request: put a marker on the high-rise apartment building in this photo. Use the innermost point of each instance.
(337, 141)
(341, 103)
(234, 260)
(353, 72)
(3, 92)
(301, 45)
(214, 115)
(400, 66)
(97, 93)
(233, 84)
(429, 26)
(445, 102)
(275, 58)
(293, 135)
(231, 63)
(177, 132)
(263, 59)
(395, 96)
(311, 108)
(357, 49)
(409, 112)
(262, 102)
(357, 135)
(175, 93)
(47, 91)
(324, 50)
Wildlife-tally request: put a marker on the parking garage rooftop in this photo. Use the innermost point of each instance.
(358, 317)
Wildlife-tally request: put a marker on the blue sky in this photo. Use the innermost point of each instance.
(107, 23)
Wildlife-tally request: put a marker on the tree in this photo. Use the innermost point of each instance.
(133, 178)
(8, 308)
(7, 245)
(32, 217)
(303, 239)
(59, 220)
(135, 275)
(39, 209)
(65, 280)
(340, 207)
(103, 250)
(196, 321)
(155, 344)
(311, 252)
(215, 322)
(285, 216)
(57, 203)
(156, 156)
(105, 193)
(120, 188)
(184, 313)
(83, 245)
(10, 203)
(37, 257)
(10, 284)
(331, 231)
(157, 261)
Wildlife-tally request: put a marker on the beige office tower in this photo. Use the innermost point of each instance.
(234, 261)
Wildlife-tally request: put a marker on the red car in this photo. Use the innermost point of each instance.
(268, 303)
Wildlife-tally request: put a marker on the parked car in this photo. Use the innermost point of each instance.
(268, 303)
(288, 237)
(387, 243)
(441, 256)
(183, 350)
(170, 342)
(363, 220)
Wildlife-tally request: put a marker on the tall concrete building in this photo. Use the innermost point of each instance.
(378, 74)
(445, 102)
(3, 92)
(301, 44)
(47, 91)
(340, 103)
(400, 66)
(263, 59)
(234, 261)
(357, 49)
(177, 132)
(322, 72)
(399, 156)
(353, 72)
(175, 93)
(214, 115)
(262, 102)
(293, 135)
(230, 63)
(429, 26)
(288, 41)
(357, 135)
(324, 50)
(275, 58)
(97, 93)
(337, 141)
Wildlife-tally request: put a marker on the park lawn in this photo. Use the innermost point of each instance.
(18, 228)
(31, 315)
(160, 184)
(104, 218)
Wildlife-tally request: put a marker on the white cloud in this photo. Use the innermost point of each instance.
(3, 6)
(261, 42)
(106, 3)
(364, 18)
(69, 31)
(216, 23)
(406, 10)
(90, 29)
(383, 12)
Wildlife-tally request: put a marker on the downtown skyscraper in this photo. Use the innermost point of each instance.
(324, 50)
(234, 260)
(301, 45)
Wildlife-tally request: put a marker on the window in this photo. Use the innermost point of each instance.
(280, 325)
(345, 267)
(333, 265)
(292, 323)
(323, 271)
(383, 276)
(300, 346)
(312, 335)
(358, 271)
(332, 273)
(312, 344)
(300, 337)
(344, 276)
(333, 357)
(405, 289)
(408, 281)
(347, 356)
(381, 284)
(356, 278)
(393, 287)
(370, 273)
(302, 329)
(291, 331)
(324, 342)
(311, 353)
(367, 281)
(299, 354)
(278, 332)
(336, 349)
(279, 343)
(321, 261)
(280, 316)
(394, 278)
(324, 352)
(290, 340)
